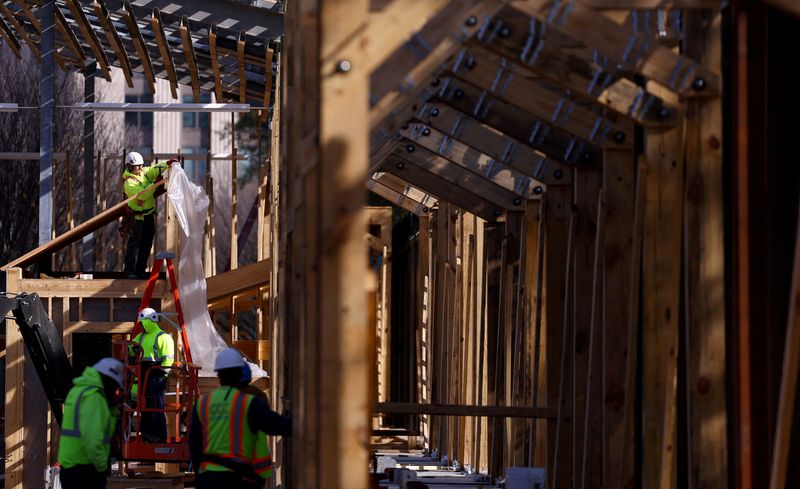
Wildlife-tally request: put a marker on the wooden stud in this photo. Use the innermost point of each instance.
(107, 23)
(139, 44)
(90, 36)
(64, 27)
(268, 58)
(240, 45)
(400, 186)
(465, 410)
(164, 49)
(191, 60)
(212, 49)
(15, 376)
(396, 198)
(11, 39)
(624, 46)
(704, 260)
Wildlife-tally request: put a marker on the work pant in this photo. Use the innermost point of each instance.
(224, 480)
(154, 424)
(82, 477)
(140, 241)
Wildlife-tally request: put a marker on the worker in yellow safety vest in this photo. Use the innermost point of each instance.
(158, 354)
(227, 436)
(90, 419)
(135, 179)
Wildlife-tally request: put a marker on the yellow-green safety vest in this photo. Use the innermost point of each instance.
(227, 434)
(132, 184)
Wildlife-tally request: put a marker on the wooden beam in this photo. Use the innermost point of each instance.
(268, 58)
(496, 144)
(397, 198)
(467, 180)
(76, 233)
(235, 281)
(166, 53)
(559, 60)
(139, 44)
(405, 188)
(472, 160)
(31, 16)
(15, 394)
(464, 410)
(623, 46)
(442, 188)
(104, 288)
(212, 49)
(191, 60)
(21, 31)
(98, 51)
(107, 23)
(64, 27)
(650, 4)
(507, 118)
(11, 39)
(704, 260)
(501, 78)
(240, 45)
(387, 30)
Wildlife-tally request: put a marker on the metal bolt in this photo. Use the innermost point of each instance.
(410, 148)
(471, 21)
(517, 201)
(470, 63)
(699, 83)
(498, 213)
(505, 31)
(537, 190)
(434, 112)
(458, 94)
(587, 156)
(404, 126)
(663, 112)
(400, 165)
(426, 131)
(425, 209)
(436, 82)
(619, 136)
(343, 66)
(558, 174)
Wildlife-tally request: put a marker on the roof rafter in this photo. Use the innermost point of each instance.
(188, 51)
(242, 78)
(114, 40)
(22, 32)
(166, 53)
(396, 198)
(11, 39)
(90, 36)
(64, 27)
(138, 43)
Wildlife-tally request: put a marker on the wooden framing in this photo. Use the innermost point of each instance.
(5, 11)
(62, 24)
(139, 44)
(240, 44)
(10, 38)
(188, 52)
(212, 47)
(91, 37)
(114, 40)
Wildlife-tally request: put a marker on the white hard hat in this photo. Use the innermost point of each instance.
(111, 368)
(148, 313)
(134, 159)
(229, 358)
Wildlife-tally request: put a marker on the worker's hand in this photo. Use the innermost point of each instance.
(173, 160)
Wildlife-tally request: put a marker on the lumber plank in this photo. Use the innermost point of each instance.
(397, 198)
(481, 164)
(504, 80)
(15, 395)
(576, 68)
(191, 59)
(269, 54)
(464, 410)
(442, 188)
(240, 45)
(139, 45)
(212, 49)
(650, 4)
(98, 51)
(551, 140)
(166, 53)
(95, 288)
(618, 187)
(75, 233)
(107, 23)
(238, 280)
(400, 186)
(704, 258)
(624, 46)
(11, 39)
(64, 27)
(470, 182)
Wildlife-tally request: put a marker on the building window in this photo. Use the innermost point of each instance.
(142, 120)
(196, 119)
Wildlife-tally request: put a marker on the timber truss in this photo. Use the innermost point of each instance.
(223, 47)
(486, 104)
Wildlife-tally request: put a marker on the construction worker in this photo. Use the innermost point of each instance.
(158, 354)
(90, 418)
(135, 179)
(227, 436)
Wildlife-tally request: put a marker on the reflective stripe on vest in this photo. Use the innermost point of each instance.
(155, 357)
(76, 430)
(226, 432)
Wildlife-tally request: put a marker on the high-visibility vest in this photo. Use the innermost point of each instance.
(157, 347)
(227, 434)
(133, 184)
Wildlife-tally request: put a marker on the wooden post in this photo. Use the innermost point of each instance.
(704, 259)
(234, 204)
(618, 190)
(15, 394)
(327, 302)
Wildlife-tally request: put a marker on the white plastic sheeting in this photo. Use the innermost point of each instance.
(191, 205)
